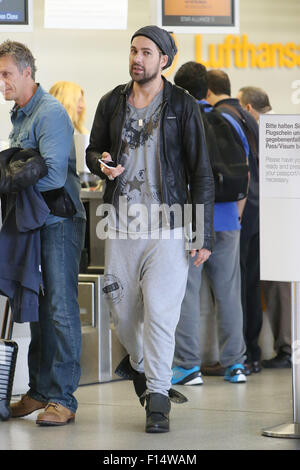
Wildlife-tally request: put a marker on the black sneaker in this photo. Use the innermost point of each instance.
(252, 367)
(126, 371)
(281, 361)
(256, 367)
(157, 413)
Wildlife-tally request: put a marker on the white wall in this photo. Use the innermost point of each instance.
(98, 60)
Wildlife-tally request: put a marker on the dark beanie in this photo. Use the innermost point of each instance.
(162, 39)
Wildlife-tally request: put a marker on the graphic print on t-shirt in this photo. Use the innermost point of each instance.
(140, 182)
(138, 155)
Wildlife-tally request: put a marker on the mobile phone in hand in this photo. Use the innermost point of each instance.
(107, 164)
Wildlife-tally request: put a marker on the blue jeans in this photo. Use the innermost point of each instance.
(55, 347)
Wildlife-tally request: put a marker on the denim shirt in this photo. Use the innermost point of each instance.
(44, 125)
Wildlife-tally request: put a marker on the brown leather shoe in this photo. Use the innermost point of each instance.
(214, 369)
(55, 415)
(25, 406)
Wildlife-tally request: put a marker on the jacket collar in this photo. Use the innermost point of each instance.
(232, 101)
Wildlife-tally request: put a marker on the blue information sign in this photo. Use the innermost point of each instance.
(14, 12)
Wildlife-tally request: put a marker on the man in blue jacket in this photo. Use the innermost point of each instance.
(41, 123)
(222, 268)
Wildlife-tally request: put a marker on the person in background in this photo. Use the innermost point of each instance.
(71, 96)
(41, 123)
(255, 100)
(249, 250)
(152, 132)
(277, 295)
(218, 96)
(222, 268)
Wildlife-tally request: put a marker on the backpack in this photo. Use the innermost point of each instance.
(227, 156)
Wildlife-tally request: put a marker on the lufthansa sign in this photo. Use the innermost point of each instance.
(237, 51)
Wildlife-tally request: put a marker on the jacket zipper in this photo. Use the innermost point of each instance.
(159, 162)
(118, 153)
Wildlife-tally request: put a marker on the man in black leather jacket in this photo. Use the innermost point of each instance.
(151, 132)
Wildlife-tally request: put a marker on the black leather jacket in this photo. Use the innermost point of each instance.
(185, 169)
(21, 168)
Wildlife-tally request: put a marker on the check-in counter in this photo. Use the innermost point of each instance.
(101, 349)
(93, 245)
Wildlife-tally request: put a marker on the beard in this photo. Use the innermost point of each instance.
(144, 78)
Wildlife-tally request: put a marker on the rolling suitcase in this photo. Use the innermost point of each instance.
(8, 358)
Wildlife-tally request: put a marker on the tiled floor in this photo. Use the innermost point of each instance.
(218, 415)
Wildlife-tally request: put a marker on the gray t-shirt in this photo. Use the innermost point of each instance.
(138, 194)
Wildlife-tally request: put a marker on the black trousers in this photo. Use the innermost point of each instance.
(251, 296)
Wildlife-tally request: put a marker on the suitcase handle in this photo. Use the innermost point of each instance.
(7, 323)
(7, 363)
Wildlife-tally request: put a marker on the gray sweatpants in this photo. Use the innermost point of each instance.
(223, 271)
(144, 284)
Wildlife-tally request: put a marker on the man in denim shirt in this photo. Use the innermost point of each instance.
(40, 122)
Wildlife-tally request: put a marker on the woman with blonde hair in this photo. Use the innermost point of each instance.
(71, 96)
